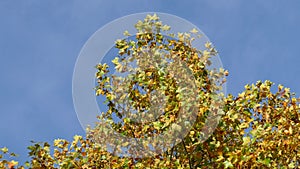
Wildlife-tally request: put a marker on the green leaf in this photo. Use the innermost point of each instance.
(13, 155)
(266, 161)
(157, 125)
(291, 165)
(126, 120)
(126, 33)
(228, 164)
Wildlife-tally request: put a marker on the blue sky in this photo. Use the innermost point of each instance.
(40, 42)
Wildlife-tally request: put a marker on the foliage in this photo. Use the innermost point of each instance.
(258, 129)
(163, 68)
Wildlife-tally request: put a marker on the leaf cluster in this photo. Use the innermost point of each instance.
(256, 129)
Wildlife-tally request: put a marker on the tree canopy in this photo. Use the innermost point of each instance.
(165, 88)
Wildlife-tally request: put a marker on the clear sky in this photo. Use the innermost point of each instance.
(40, 42)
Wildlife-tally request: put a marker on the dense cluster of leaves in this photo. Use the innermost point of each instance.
(167, 65)
(258, 128)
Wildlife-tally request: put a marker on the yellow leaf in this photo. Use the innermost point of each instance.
(290, 130)
(149, 73)
(208, 45)
(244, 125)
(206, 53)
(246, 140)
(4, 149)
(194, 30)
(13, 163)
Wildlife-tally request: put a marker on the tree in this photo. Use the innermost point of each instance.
(257, 128)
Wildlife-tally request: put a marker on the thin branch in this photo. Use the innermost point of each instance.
(187, 154)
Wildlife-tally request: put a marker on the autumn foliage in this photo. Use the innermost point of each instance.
(256, 129)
